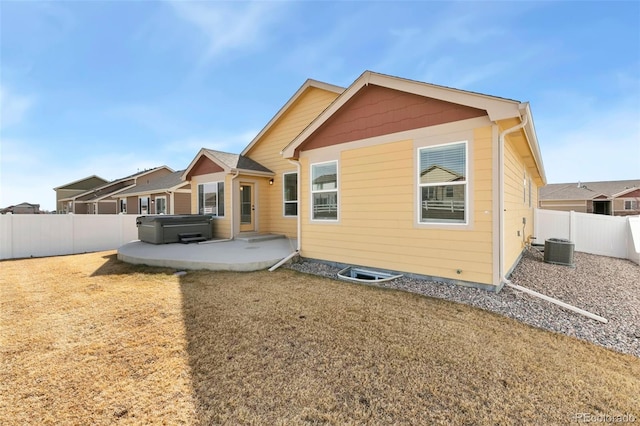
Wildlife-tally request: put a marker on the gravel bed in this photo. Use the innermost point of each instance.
(605, 286)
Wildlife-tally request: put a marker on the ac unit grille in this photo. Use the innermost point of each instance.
(558, 251)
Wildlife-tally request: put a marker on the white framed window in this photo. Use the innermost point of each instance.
(290, 194)
(530, 192)
(442, 184)
(211, 198)
(324, 191)
(630, 204)
(143, 205)
(122, 205)
(161, 205)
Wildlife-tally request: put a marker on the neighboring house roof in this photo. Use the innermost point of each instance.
(113, 187)
(169, 182)
(306, 85)
(79, 181)
(587, 190)
(229, 163)
(455, 175)
(497, 108)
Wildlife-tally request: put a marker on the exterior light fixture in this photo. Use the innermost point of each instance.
(271, 181)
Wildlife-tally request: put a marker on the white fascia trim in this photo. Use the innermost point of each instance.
(253, 173)
(497, 108)
(307, 84)
(532, 140)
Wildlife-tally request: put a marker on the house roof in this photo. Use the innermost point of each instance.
(104, 191)
(81, 180)
(497, 108)
(168, 182)
(229, 163)
(310, 83)
(587, 190)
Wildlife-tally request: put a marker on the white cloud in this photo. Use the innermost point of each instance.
(228, 26)
(13, 107)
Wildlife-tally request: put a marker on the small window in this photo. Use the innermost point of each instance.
(290, 194)
(442, 183)
(123, 205)
(324, 191)
(530, 192)
(630, 205)
(449, 192)
(211, 198)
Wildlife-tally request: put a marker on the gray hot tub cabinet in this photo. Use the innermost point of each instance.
(165, 229)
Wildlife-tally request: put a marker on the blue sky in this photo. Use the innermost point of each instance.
(111, 87)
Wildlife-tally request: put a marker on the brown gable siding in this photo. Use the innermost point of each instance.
(204, 166)
(376, 111)
(632, 194)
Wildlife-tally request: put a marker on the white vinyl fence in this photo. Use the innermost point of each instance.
(613, 236)
(25, 235)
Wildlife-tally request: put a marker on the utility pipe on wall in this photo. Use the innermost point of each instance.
(501, 142)
(501, 255)
(299, 240)
(299, 191)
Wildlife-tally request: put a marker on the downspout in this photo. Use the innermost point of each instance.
(299, 191)
(503, 278)
(231, 200)
(501, 142)
(299, 227)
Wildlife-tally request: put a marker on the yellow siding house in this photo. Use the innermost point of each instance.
(388, 173)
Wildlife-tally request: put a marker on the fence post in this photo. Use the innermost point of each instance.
(572, 226)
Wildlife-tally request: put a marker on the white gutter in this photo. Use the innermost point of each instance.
(503, 279)
(299, 234)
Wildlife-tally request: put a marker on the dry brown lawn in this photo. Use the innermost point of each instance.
(89, 340)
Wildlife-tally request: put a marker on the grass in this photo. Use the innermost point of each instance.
(87, 339)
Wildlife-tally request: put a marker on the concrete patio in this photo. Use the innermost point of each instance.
(246, 253)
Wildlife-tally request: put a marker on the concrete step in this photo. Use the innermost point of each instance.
(254, 237)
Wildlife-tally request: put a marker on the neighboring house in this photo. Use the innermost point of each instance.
(389, 173)
(100, 200)
(617, 198)
(22, 208)
(167, 194)
(75, 188)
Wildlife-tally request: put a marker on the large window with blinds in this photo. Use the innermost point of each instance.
(442, 183)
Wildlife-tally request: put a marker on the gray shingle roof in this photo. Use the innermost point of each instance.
(162, 183)
(237, 161)
(586, 190)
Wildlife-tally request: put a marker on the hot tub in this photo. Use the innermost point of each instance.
(163, 229)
